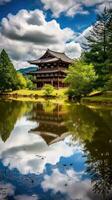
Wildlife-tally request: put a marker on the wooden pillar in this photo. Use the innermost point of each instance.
(58, 83)
(52, 82)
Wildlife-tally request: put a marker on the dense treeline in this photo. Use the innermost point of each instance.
(97, 51)
(10, 79)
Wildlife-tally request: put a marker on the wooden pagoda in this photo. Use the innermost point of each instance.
(51, 69)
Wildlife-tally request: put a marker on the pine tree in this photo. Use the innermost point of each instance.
(8, 75)
(110, 42)
(98, 47)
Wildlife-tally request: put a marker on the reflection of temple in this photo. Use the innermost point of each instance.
(51, 124)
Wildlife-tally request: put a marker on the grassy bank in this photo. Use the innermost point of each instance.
(105, 98)
(57, 96)
(34, 95)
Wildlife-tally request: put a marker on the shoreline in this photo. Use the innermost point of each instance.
(33, 98)
(34, 94)
(98, 101)
(57, 96)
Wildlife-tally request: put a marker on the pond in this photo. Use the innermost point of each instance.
(55, 152)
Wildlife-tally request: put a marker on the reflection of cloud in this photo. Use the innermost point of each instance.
(68, 183)
(29, 152)
(6, 190)
(26, 197)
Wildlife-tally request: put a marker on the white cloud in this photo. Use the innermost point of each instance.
(69, 184)
(100, 7)
(27, 35)
(71, 7)
(23, 27)
(73, 49)
(82, 36)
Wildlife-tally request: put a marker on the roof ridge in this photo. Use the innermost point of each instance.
(56, 51)
(56, 55)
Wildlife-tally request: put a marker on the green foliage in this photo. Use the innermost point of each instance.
(99, 44)
(22, 82)
(8, 75)
(48, 89)
(9, 78)
(108, 85)
(30, 84)
(80, 77)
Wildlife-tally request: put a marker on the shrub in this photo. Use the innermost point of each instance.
(30, 84)
(22, 83)
(48, 89)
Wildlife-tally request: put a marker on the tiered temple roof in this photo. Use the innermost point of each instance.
(52, 56)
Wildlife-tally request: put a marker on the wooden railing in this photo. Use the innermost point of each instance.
(52, 69)
(48, 80)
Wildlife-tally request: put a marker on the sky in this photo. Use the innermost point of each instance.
(29, 27)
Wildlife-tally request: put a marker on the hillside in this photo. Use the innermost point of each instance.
(24, 71)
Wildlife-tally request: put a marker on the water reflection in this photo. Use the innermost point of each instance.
(9, 113)
(50, 151)
(50, 121)
(94, 129)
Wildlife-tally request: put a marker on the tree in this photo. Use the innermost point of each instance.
(22, 82)
(98, 47)
(30, 84)
(80, 77)
(110, 42)
(8, 75)
(108, 85)
(48, 89)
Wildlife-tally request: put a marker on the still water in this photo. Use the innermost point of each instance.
(55, 152)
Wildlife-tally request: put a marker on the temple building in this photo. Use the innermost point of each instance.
(51, 69)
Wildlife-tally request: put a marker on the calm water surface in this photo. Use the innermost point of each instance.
(55, 152)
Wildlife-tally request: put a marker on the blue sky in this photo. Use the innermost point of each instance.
(29, 27)
(78, 22)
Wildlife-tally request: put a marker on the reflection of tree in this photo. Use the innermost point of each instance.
(99, 156)
(10, 111)
(81, 122)
(48, 106)
(93, 128)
